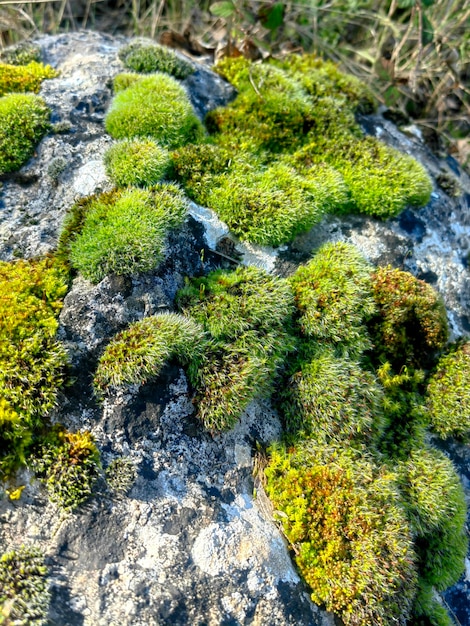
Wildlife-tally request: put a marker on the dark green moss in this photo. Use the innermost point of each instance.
(24, 589)
(147, 58)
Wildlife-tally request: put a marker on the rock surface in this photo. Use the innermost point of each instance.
(190, 543)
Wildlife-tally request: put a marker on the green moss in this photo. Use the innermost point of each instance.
(24, 120)
(247, 314)
(125, 80)
(29, 77)
(120, 476)
(448, 394)
(21, 54)
(147, 58)
(138, 354)
(138, 162)
(381, 181)
(342, 513)
(427, 610)
(323, 79)
(334, 399)
(24, 592)
(31, 360)
(123, 233)
(68, 464)
(405, 414)
(333, 294)
(157, 107)
(433, 491)
(411, 323)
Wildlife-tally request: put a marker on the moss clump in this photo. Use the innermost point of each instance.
(137, 162)
(24, 120)
(405, 415)
(31, 360)
(343, 514)
(120, 476)
(155, 106)
(21, 54)
(68, 464)
(381, 181)
(436, 507)
(124, 232)
(247, 314)
(137, 354)
(334, 399)
(29, 77)
(333, 294)
(411, 323)
(448, 394)
(24, 593)
(148, 58)
(428, 610)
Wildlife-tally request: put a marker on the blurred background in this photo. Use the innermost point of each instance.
(415, 54)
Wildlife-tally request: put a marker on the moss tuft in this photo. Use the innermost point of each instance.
(411, 323)
(428, 609)
(333, 294)
(334, 399)
(31, 360)
(24, 590)
(138, 354)
(124, 232)
(247, 314)
(448, 394)
(24, 120)
(120, 476)
(155, 106)
(68, 464)
(343, 514)
(137, 162)
(29, 77)
(148, 58)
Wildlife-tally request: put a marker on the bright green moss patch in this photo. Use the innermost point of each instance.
(29, 77)
(343, 513)
(334, 399)
(124, 232)
(68, 465)
(24, 120)
(155, 106)
(31, 360)
(247, 314)
(147, 58)
(138, 354)
(381, 180)
(448, 394)
(333, 294)
(293, 151)
(137, 162)
(412, 321)
(24, 589)
(428, 609)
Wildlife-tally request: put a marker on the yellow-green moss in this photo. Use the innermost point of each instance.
(137, 162)
(137, 354)
(29, 77)
(342, 512)
(448, 394)
(68, 465)
(24, 589)
(122, 232)
(31, 359)
(155, 106)
(24, 120)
